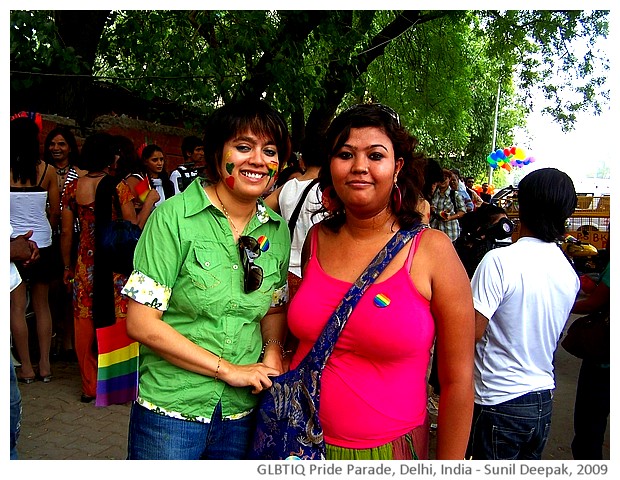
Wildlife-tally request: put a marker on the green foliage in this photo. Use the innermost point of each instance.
(440, 70)
(36, 48)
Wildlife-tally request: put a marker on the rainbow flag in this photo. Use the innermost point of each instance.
(117, 373)
(142, 189)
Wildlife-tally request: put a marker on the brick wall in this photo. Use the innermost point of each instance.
(139, 131)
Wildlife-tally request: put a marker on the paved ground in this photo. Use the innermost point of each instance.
(56, 425)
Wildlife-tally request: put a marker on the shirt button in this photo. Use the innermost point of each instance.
(235, 267)
(228, 340)
(207, 264)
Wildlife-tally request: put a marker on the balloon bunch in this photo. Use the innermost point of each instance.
(507, 158)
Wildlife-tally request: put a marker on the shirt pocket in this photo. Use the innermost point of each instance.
(204, 269)
(201, 279)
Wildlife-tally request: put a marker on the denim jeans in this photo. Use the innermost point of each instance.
(16, 412)
(514, 430)
(157, 437)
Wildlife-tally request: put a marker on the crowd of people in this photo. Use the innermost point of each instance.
(234, 277)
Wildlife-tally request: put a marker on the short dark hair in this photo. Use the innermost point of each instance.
(410, 178)
(547, 198)
(237, 117)
(189, 144)
(312, 151)
(433, 173)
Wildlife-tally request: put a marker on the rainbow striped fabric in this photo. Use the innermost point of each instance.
(117, 374)
(142, 189)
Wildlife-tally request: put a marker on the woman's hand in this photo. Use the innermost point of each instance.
(254, 375)
(67, 277)
(152, 198)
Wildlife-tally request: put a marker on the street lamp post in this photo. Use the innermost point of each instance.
(499, 90)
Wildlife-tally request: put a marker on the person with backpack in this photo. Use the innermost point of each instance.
(193, 165)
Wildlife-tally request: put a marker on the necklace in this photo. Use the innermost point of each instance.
(62, 171)
(226, 214)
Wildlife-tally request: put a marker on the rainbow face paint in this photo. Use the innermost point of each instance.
(273, 169)
(382, 300)
(230, 181)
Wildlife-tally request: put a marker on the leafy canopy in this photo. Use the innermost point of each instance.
(441, 70)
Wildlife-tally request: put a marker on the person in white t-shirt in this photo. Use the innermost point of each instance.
(523, 295)
(284, 201)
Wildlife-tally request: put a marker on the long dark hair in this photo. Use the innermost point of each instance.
(24, 150)
(163, 175)
(410, 179)
(128, 160)
(237, 117)
(74, 153)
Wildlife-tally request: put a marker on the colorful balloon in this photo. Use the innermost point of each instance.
(508, 158)
(519, 154)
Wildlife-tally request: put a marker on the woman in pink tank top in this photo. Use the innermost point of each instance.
(374, 386)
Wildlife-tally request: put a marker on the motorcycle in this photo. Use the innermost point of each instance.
(581, 255)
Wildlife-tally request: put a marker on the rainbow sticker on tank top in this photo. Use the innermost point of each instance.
(382, 300)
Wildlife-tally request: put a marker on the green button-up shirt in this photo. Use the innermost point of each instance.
(187, 264)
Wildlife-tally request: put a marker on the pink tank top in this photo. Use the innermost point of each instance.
(373, 388)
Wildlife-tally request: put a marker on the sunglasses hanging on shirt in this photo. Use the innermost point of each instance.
(249, 250)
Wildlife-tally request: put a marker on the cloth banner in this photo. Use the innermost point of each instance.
(117, 372)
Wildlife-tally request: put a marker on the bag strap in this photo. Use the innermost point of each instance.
(453, 198)
(324, 345)
(293, 220)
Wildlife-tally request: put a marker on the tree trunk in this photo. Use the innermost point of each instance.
(81, 30)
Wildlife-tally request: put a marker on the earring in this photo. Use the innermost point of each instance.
(397, 198)
(329, 200)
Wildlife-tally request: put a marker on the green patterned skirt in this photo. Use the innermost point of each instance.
(411, 446)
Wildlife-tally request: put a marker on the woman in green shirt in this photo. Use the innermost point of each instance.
(208, 295)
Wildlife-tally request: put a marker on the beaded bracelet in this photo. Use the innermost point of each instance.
(217, 370)
(277, 342)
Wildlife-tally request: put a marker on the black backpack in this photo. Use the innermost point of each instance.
(187, 176)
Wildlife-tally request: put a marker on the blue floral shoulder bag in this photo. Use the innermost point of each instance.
(288, 424)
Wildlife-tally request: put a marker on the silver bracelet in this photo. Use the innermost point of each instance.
(275, 341)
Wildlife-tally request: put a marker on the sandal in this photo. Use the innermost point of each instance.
(86, 398)
(26, 380)
(46, 378)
